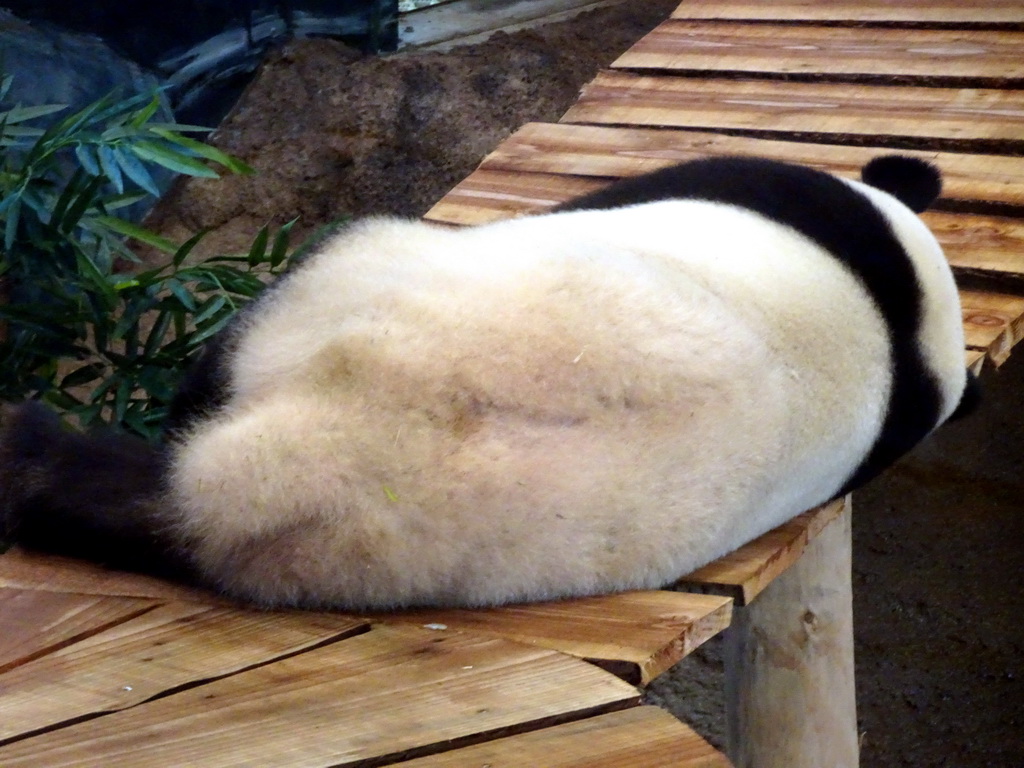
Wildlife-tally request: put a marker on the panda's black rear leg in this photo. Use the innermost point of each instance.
(94, 495)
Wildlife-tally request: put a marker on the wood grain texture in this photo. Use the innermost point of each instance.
(937, 11)
(790, 698)
(801, 50)
(36, 623)
(170, 646)
(993, 244)
(642, 736)
(621, 98)
(638, 635)
(746, 572)
(21, 569)
(975, 359)
(993, 322)
(601, 151)
(395, 691)
(493, 196)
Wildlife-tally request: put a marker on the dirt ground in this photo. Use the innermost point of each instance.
(937, 540)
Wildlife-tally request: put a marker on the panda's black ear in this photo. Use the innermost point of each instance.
(914, 182)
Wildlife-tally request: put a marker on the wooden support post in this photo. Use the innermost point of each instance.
(790, 694)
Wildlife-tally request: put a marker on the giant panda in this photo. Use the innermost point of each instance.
(599, 398)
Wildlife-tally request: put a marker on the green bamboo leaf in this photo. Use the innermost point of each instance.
(144, 114)
(99, 393)
(123, 200)
(135, 170)
(157, 334)
(85, 198)
(182, 294)
(118, 110)
(87, 414)
(71, 189)
(258, 250)
(209, 308)
(22, 114)
(108, 163)
(84, 375)
(121, 399)
(204, 150)
(143, 235)
(55, 136)
(175, 161)
(186, 248)
(18, 131)
(202, 334)
(11, 224)
(180, 127)
(62, 401)
(280, 248)
(87, 157)
(87, 267)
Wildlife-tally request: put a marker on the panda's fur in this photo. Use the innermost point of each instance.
(600, 398)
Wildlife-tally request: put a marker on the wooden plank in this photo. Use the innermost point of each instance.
(746, 572)
(993, 244)
(785, 49)
(171, 646)
(636, 635)
(977, 114)
(587, 150)
(993, 322)
(644, 737)
(935, 11)
(975, 359)
(390, 693)
(37, 623)
(20, 569)
(491, 196)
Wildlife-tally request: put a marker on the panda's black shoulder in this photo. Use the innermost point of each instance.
(795, 195)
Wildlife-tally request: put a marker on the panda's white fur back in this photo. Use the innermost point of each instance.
(563, 404)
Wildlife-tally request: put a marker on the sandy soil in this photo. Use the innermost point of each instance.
(940, 644)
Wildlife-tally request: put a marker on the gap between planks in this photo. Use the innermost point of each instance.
(964, 115)
(643, 736)
(993, 323)
(167, 648)
(384, 695)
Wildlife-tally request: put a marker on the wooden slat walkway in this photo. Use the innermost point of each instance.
(94, 664)
(860, 52)
(100, 668)
(954, 12)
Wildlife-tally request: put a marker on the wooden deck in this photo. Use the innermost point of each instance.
(106, 669)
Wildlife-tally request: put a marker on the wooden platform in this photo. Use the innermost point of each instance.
(100, 668)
